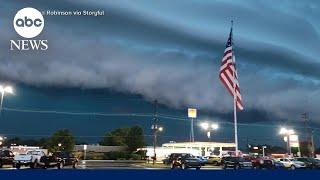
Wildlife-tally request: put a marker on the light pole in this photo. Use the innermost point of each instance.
(209, 127)
(263, 152)
(85, 151)
(3, 90)
(286, 133)
(192, 114)
(59, 146)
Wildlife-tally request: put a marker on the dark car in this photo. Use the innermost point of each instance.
(310, 162)
(171, 157)
(185, 161)
(59, 160)
(66, 159)
(262, 163)
(49, 161)
(236, 163)
(278, 165)
(6, 158)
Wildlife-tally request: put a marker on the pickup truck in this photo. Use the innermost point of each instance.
(30, 158)
(58, 159)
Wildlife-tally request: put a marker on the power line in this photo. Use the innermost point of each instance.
(164, 116)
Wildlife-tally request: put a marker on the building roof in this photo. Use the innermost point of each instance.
(199, 144)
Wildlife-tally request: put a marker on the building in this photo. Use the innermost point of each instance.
(23, 149)
(204, 148)
(98, 148)
(216, 149)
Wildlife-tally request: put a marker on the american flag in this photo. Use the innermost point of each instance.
(228, 73)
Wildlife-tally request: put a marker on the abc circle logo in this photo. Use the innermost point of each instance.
(28, 22)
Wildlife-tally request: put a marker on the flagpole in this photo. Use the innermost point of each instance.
(234, 99)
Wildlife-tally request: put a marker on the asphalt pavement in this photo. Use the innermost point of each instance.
(115, 165)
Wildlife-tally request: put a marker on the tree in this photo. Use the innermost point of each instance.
(117, 137)
(135, 138)
(61, 140)
(132, 137)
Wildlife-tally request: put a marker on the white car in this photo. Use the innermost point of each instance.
(292, 163)
(30, 158)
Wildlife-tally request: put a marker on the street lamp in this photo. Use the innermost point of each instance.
(286, 133)
(59, 145)
(155, 129)
(209, 127)
(3, 90)
(263, 151)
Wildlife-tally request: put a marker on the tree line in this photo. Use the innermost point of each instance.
(63, 140)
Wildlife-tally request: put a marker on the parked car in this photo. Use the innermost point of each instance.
(30, 158)
(49, 161)
(277, 164)
(310, 162)
(236, 163)
(292, 163)
(59, 160)
(214, 160)
(261, 163)
(186, 161)
(203, 160)
(171, 157)
(66, 159)
(6, 158)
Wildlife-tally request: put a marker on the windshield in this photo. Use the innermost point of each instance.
(239, 159)
(36, 152)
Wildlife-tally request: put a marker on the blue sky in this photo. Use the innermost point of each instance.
(171, 51)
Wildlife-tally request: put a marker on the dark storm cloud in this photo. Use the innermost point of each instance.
(171, 51)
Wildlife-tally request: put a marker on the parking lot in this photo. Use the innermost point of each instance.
(105, 164)
(126, 165)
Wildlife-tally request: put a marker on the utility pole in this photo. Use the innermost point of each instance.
(155, 131)
(309, 133)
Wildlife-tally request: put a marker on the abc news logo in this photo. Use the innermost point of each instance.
(28, 23)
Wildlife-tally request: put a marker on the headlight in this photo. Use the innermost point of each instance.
(261, 161)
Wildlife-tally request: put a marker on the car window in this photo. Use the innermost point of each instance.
(37, 153)
(7, 153)
(66, 155)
